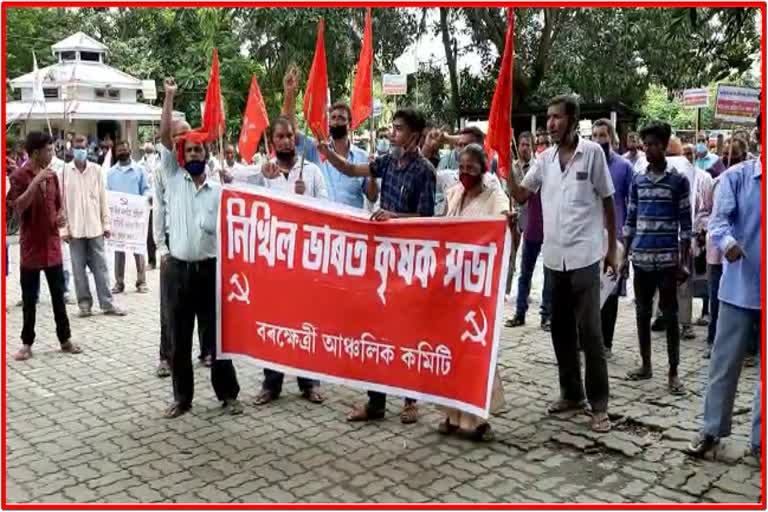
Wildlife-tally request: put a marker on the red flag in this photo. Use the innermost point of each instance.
(255, 121)
(213, 118)
(362, 105)
(499, 121)
(316, 95)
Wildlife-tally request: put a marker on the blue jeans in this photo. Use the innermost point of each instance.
(531, 252)
(736, 329)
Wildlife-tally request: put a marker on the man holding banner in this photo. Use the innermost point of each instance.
(193, 203)
(407, 190)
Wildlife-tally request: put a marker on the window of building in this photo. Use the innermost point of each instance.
(89, 56)
(110, 94)
(68, 55)
(51, 93)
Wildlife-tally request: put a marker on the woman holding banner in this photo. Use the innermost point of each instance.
(476, 195)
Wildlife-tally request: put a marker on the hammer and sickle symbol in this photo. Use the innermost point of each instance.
(241, 292)
(477, 334)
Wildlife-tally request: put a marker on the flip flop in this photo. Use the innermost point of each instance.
(600, 423)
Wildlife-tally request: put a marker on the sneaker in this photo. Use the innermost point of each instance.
(658, 324)
(118, 289)
(686, 333)
(115, 311)
(701, 444)
(142, 288)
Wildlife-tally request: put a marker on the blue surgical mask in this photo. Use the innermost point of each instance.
(195, 167)
(80, 155)
(382, 145)
(701, 148)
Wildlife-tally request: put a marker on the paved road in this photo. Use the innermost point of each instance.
(90, 428)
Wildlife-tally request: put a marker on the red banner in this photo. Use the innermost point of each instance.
(409, 307)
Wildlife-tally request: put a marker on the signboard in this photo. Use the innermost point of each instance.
(130, 221)
(696, 98)
(149, 90)
(737, 104)
(395, 84)
(310, 289)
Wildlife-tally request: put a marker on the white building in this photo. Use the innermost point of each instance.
(83, 95)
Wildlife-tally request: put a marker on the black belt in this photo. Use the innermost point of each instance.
(193, 265)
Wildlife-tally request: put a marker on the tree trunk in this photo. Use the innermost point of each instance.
(450, 57)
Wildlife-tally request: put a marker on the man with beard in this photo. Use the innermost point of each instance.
(127, 177)
(407, 190)
(286, 173)
(192, 207)
(577, 194)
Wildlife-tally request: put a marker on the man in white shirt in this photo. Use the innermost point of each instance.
(230, 170)
(88, 224)
(577, 194)
(634, 154)
(285, 173)
(150, 162)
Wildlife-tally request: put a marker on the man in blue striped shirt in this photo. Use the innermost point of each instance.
(657, 231)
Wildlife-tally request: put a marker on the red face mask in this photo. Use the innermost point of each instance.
(470, 180)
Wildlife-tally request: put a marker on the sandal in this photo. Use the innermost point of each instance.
(640, 374)
(233, 406)
(516, 321)
(447, 428)
(675, 387)
(313, 396)
(265, 397)
(483, 433)
(363, 413)
(71, 348)
(600, 423)
(563, 405)
(163, 370)
(176, 409)
(24, 353)
(409, 414)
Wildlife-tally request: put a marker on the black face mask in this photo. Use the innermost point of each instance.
(338, 132)
(286, 155)
(123, 157)
(606, 149)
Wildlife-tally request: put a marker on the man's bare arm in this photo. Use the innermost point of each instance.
(166, 119)
(343, 165)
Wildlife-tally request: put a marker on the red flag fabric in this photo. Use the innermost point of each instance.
(213, 117)
(499, 135)
(255, 121)
(316, 95)
(362, 105)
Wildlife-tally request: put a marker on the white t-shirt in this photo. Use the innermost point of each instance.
(572, 205)
(311, 175)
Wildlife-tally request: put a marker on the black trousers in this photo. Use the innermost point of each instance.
(273, 382)
(192, 294)
(646, 284)
(576, 319)
(165, 324)
(151, 246)
(30, 289)
(608, 319)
